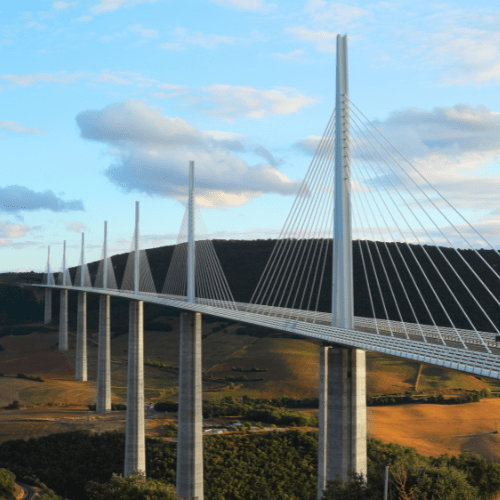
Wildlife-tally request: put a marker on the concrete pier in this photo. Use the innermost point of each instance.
(63, 320)
(346, 413)
(190, 434)
(103, 399)
(47, 316)
(135, 442)
(81, 338)
(322, 420)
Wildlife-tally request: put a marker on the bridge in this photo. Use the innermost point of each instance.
(356, 183)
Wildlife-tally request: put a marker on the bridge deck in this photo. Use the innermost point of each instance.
(441, 347)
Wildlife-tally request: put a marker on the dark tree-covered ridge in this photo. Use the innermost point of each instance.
(388, 268)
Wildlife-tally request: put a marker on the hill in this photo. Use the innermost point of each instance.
(237, 359)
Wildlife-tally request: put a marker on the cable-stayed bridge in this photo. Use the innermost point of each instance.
(366, 227)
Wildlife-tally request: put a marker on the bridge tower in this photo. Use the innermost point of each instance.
(47, 316)
(135, 438)
(81, 324)
(63, 307)
(103, 399)
(189, 482)
(342, 422)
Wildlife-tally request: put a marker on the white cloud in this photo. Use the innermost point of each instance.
(60, 5)
(324, 41)
(84, 19)
(62, 77)
(294, 55)
(469, 55)
(172, 46)
(76, 226)
(225, 102)
(112, 5)
(144, 32)
(342, 15)
(16, 199)
(183, 37)
(309, 144)
(228, 102)
(152, 152)
(327, 19)
(454, 151)
(251, 5)
(11, 230)
(34, 78)
(36, 25)
(446, 130)
(12, 126)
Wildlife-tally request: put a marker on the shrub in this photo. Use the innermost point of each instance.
(133, 487)
(29, 377)
(167, 406)
(14, 405)
(7, 479)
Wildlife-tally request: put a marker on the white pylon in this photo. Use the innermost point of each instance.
(191, 229)
(342, 291)
(136, 250)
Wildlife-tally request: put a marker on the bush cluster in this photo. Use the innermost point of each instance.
(415, 477)
(14, 405)
(30, 377)
(7, 487)
(254, 369)
(274, 465)
(167, 406)
(159, 364)
(114, 407)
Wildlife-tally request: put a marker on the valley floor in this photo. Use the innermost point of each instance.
(431, 429)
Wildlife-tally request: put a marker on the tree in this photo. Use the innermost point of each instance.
(133, 487)
(7, 488)
(354, 489)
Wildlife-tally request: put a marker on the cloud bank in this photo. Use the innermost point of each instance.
(456, 148)
(15, 199)
(152, 152)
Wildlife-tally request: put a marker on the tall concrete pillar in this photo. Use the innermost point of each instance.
(81, 338)
(103, 400)
(346, 413)
(322, 420)
(63, 320)
(47, 316)
(135, 441)
(189, 483)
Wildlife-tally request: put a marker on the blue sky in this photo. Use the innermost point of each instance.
(104, 102)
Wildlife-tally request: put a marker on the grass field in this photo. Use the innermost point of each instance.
(438, 429)
(287, 366)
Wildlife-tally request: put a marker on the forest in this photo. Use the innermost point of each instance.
(435, 272)
(246, 466)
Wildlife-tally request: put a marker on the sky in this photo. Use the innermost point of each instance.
(105, 102)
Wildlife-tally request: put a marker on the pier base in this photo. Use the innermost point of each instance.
(103, 399)
(81, 338)
(135, 441)
(189, 483)
(63, 320)
(47, 316)
(342, 419)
